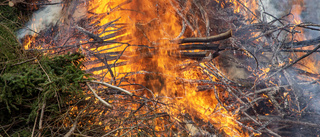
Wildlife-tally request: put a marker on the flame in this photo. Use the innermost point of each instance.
(154, 23)
(310, 64)
(28, 41)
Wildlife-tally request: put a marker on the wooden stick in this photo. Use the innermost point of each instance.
(111, 86)
(89, 34)
(99, 98)
(199, 46)
(221, 36)
(72, 129)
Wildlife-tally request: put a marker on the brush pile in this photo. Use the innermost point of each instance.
(253, 68)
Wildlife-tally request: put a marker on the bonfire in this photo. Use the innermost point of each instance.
(182, 67)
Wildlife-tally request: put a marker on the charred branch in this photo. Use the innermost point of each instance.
(221, 36)
(91, 35)
(199, 46)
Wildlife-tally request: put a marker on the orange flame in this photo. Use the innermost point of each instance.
(310, 64)
(155, 23)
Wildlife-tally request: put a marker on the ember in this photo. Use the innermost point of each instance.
(189, 67)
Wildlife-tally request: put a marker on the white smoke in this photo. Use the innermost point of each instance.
(42, 19)
(310, 13)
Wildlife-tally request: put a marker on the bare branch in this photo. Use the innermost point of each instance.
(99, 98)
(72, 129)
(114, 87)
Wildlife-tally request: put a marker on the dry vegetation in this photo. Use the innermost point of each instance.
(274, 103)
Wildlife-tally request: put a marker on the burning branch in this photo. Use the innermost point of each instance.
(91, 35)
(296, 61)
(192, 58)
(221, 36)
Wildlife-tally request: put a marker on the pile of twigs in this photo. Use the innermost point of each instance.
(274, 102)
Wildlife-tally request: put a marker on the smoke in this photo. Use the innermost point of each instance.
(42, 19)
(270, 7)
(309, 14)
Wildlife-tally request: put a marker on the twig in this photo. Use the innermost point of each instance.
(182, 16)
(105, 135)
(302, 43)
(199, 46)
(19, 63)
(273, 133)
(278, 88)
(131, 128)
(309, 26)
(109, 69)
(41, 115)
(276, 120)
(72, 129)
(44, 101)
(105, 26)
(221, 36)
(44, 71)
(34, 125)
(99, 98)
(204, 17)
(80, 135)
(182, 31)
(249, 10)
(114, 87)
(287, 66)
(89, 34)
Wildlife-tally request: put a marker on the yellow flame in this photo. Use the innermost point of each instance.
(155, 23)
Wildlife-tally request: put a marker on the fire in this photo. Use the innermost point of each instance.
(28, 42)
(150, 27)
(309, 65)
(154, 23)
